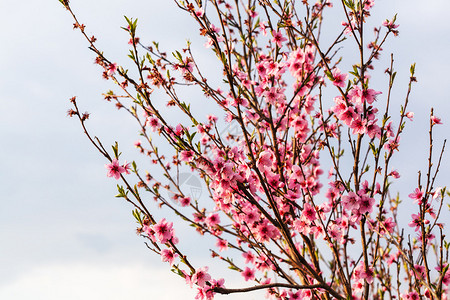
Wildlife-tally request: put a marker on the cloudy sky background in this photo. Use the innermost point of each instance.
(62, 233)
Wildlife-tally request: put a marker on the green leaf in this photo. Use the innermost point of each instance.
(367, 168)
(234, 268)
(412, 69)
(137, 216)
(65, 3)
(393, 77)
(122, 193)
(115, 148)
(150, 60)
(191, 137)
(374, 150)
(132, 25)
(350, 4)
(355, 71)
(131, 55)
(329, 75)
(177, 55)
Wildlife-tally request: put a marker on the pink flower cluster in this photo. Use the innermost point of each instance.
(162, 232)
(115, 169)
(265, 182)
(355, 113)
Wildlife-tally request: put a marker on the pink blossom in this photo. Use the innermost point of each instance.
(446, 279)
(355, 94)
(252, 13)
(415, 222)
(201, 276)
(249, 257)
(212, 118)
(260, 66)
(392, 144)
(339, 79)
(306, 294)
(153, 123)
(368, 275)
(266, 231)
(251, 215)
(242, 101)
(390, 24)
(302, 226)
(275, 69)
(188, 279)
(134, 41)
(348, 115)
(248, 274)
(394, 174)
(417, 195)
(163, 230)
(263, 27)
(436, 193)
(206, 292)
(201, 294)
(209, 43)
(349, 27)
(389, 129)
(410, 115)
(199, 217)
(334, 232)
(351, 201)
(112, 68)
(410, 296)
(200, 12)
(373, 130)
(309, 213)
(393, 258)
(318, 231)
(222, 244)
(295, 296)
(179, 130)
(419, 269)
(167, 255)
(435, 120)
(358, 126)
(127, 167)
(185, 201)
(273, 95)
(212, 220)
(114, 169)
(273, 179)
(187, 156)
(389, 224)
(265, 161)
(368, 4)
(278, 38)
(369, 95)
(300, 124)
(366, 204)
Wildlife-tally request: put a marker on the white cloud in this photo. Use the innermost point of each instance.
(81, 281)
(88, 282)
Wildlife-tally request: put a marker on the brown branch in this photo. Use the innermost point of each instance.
(225, 291)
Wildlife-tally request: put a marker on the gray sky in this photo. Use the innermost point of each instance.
(63, 235)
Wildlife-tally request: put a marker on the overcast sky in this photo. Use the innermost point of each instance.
(63, 235)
